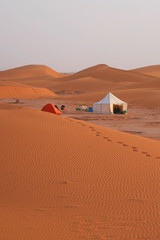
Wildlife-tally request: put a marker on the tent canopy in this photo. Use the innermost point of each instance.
(108, 103)
(110, 98)
(51, 108)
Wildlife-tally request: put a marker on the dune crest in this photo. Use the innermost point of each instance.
(93, 84)
(153, 70)
(29, 71)
(90, 84)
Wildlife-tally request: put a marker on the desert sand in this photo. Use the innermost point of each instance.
(67, 179)
(91, 84)
(72, 176)
(150, 70)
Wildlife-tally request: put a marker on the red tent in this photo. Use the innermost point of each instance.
(51, 108)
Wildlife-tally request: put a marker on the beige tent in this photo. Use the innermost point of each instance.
(109, 105)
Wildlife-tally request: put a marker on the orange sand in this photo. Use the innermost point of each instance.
(66, 179)
(24, 92)
(19, 82)
(62, 178)
(153, 70)
(29, 71)
(91, 84)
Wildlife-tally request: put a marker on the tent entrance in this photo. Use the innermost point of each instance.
(117, 109)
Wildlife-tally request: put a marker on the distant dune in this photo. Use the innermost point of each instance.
(107, 73)
(24, 92)
(93, 83)
(20, 82)
(140, 97)
(149, 70)
(29, 71)
(99, 78)
(66, 179)
(89, 85)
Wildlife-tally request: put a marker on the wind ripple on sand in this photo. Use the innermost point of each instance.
(67, 179)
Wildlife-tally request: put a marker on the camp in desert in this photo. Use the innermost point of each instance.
(79, 120)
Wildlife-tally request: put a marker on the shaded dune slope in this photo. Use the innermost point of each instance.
(153, 70)
(66, 179)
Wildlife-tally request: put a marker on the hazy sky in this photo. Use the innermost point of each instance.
(69, 35)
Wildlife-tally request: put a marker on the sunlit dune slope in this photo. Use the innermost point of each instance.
(29, 71)
(107, 73)
(153, 70)
(99, 78)
(24, 92)
(27, 82)
(134, 88)
(89, 85)
(140, 97)
(66, 179)
(5, 82)
(144, 94)
(152, 84)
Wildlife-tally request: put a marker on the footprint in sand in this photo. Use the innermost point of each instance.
(125, 145)
(147, 155)
(64, 182)
(81, 124)
(120, 142)
(105, 137)
(158, 157)
(97, 135)
(93, 129)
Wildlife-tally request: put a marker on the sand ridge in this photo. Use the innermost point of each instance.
(54, 185)
(153, 70)
(90, 84)
(93, 84)
(22, 82)
(29, 71)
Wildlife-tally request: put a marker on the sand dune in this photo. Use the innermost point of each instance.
(66, 179)
(149, 70)
(24, 92)
(27, 82)
(89, 85)
(105, 72)
(135, 96)
(94, 83)
(22, 82)
(29, 71)
(140, 97)
(153, 84)
(101, 76)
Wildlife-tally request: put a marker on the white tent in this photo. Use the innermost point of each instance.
(108, 104)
